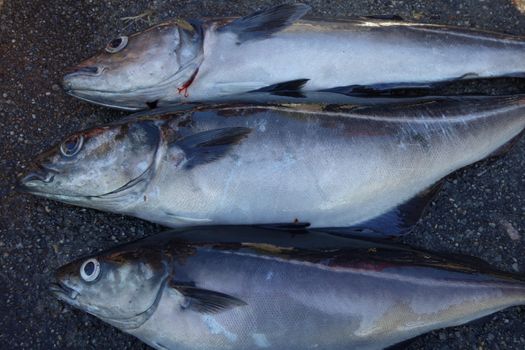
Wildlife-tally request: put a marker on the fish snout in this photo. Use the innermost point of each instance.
(34, 179)
(82, 70)
(62, 292)
(79, 71)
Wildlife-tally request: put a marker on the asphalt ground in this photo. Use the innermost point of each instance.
(480, 211)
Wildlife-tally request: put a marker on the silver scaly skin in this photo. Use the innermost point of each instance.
(184, 61)
(330, 166)
(252, 288)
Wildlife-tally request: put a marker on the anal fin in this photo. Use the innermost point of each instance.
(502, 150)
(397, 221)
(389, 89)
(453, 86)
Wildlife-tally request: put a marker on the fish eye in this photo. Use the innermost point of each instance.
(90, 270)
(72, 145)
(117, 44)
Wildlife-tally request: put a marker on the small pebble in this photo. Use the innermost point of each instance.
(520, 5)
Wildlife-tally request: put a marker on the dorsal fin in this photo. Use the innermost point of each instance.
(263, 23)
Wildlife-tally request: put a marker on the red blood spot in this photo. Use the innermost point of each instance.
(186, 85)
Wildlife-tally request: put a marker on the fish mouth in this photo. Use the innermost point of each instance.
(63, 292)
(84, 70)
(35, 183)
(32, 181)
(91, 70)
(79, 72)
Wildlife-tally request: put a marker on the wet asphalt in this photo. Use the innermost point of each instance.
(480, 211)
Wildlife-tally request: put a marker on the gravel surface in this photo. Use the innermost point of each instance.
(480, 211)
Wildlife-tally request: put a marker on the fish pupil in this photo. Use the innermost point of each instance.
(89, 268)
(116, 43)
(70, 145)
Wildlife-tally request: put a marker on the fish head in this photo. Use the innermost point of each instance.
(121, 287)
(134, 72)
(96, 167)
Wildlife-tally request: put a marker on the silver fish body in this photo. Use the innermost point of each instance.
(253, 293)
(324, 165)
(178, 61)
(359, 52)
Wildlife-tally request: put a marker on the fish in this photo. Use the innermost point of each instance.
(257, 288)
(363, 169)
(277, 50)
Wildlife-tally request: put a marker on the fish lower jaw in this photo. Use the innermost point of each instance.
(125, 107)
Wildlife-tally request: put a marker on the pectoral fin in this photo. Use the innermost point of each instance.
(290, 88)
(263, 23)
(206, 301)
(208, 146)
